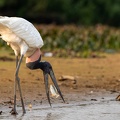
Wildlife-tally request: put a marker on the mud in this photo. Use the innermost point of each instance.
(4, 58)
(91, 97)
(105, 108)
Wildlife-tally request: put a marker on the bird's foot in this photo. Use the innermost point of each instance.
(13, 112)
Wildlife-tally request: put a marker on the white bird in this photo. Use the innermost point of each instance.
(24, 39)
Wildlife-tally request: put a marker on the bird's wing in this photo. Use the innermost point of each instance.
(23, 29)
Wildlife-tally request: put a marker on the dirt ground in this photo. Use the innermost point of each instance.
(93, 77)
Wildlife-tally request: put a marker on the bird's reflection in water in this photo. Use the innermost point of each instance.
(50, 117)
(19, 116)
(53, 116)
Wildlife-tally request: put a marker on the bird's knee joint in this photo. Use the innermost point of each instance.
(17, 77)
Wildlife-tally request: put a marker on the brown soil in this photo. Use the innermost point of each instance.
(93, 76)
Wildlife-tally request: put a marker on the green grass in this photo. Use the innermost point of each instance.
(77, 41)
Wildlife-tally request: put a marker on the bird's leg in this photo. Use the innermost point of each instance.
(18, 80)
(19, 88)
(46, 86)
(13, 111)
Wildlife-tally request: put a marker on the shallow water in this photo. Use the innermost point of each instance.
(106, 109)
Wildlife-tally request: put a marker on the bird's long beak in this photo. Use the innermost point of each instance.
(51, 73)
(46, 86)
(55, 83)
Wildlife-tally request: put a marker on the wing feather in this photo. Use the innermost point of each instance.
(23, 29)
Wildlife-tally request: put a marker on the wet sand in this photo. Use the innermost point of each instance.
(92, 96)
(93, 108)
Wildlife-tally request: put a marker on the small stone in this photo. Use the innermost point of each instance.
(118, 98)
(0, 112)
(30, 106)
(93, 99)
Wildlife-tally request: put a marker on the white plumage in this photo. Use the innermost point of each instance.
(20, 34)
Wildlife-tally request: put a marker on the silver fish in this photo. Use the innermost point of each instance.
(54, 91)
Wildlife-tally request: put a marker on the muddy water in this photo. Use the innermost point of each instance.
(106, 109)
